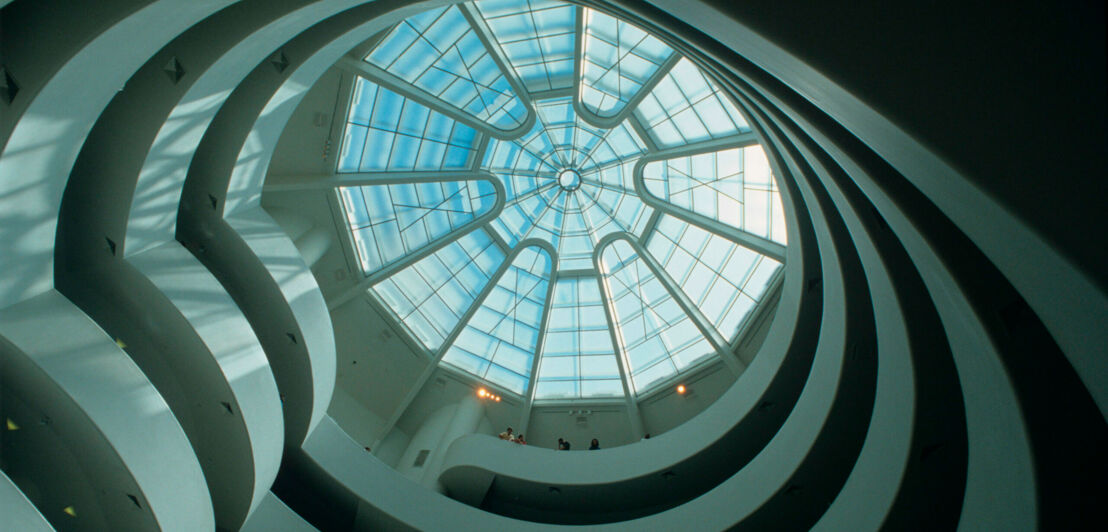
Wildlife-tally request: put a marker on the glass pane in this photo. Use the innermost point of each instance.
(652, 328)
(440, 53)
(618, 60)
(389, 222)
(723, 279)
(537, 36)
(402, 134)
(733, 186)
(509, 317)
(577, 326)
(687, 107)
(413, 294)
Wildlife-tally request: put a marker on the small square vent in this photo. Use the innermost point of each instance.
(421, 458)
(581, 420)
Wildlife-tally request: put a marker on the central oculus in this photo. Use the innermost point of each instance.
(569, 179)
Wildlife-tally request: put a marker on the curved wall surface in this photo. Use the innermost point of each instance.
(937, 358)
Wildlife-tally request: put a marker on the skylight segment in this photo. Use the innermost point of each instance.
(656, 337)
(733, 186)
(498, 343)
(521, 163)
(724, 280)
(519, 216)
(388, 132)
(577, 237)
(570, 140)
(618, 60)
(627, 211)
(578, 360)
(391, 221)
(432, 295)
(619, 144)
(619, 177)
(575, 144)
(537, 36)
(686, 107)
(439, 52)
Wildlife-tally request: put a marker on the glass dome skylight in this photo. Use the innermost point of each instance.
(555, 202)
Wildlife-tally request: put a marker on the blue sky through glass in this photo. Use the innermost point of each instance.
(470, 56)
(388, 132)
(578, 360)
(537, 36)
(499, 341)
(391, 221)
(618, 60)
(439, 52)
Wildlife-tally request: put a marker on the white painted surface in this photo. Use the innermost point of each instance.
(273, 515)
(32, 171)
(220, 324)
(158, 192)
(16, 512)
(119, 400)
(280, 257)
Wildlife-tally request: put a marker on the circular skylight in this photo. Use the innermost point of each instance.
(569, 180)
(554, 202)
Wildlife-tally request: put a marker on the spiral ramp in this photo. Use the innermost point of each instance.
(938, 359)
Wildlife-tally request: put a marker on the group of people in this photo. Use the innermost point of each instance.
(514, 438)
(564, 445)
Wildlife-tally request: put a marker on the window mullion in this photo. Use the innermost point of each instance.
(477, 302)
(479, 151)
(481, 29)
(432, 246)
(533, 380)
(640, 130)
(384, 78)
(624, 365)
(765, 246)
(721, 345)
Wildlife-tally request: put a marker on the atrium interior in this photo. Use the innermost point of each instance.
(294, 264)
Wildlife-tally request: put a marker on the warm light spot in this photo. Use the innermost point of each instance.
(498, 398)
(481, 392)
(120, 343)
(12, 425)
(70, 511)
(681, 389)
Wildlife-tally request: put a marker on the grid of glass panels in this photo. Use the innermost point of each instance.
(578, 360)
(520, 169)
(733, 186)
(432, 295)
(723, 279)
(498, 344)
(571, 220)
(391, 221)
(687, 107)
(571, 143)
(581, 220)
(656, 337)
(627, 210)
(387, 132)
(439, 52)
(537, 36)
(517, 220)
(618, 60)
